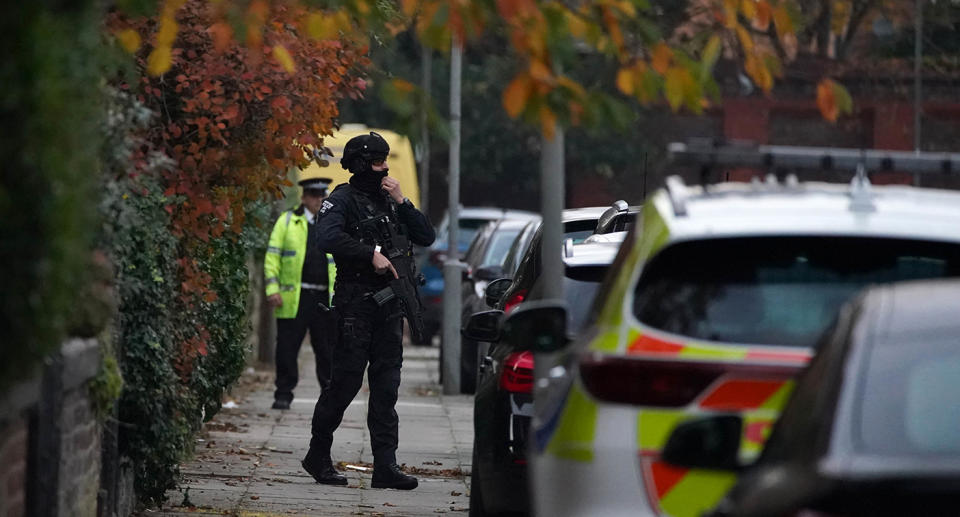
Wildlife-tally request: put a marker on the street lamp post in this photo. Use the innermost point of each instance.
(917, 81)
(452, 269)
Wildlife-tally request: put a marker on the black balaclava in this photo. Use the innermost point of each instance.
(369, 180)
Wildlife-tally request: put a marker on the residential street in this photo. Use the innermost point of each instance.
(248, 462)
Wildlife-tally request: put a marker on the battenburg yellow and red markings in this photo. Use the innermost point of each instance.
(682, 492)
(647, 344)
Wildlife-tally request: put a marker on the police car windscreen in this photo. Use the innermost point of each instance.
(775, 290)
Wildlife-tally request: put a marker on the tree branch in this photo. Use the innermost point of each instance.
(860, 10)
(822, 28)
(771, 33)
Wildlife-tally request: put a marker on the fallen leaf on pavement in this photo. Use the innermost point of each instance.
(254, 497)
(456, 493)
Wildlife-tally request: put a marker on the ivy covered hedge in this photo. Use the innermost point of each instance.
(196, 157)
(177, 354)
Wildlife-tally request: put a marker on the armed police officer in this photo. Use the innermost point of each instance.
(298, 277)
(368, 226)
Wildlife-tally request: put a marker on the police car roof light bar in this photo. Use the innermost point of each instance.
(738, 153)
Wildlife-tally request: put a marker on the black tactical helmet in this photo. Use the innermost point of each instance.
(362, 150)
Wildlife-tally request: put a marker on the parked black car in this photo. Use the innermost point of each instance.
(484, 263)
(872, 428)
(503, 404)
(519, 247)
(579, 225)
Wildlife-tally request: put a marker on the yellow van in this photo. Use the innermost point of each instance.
(403, 166)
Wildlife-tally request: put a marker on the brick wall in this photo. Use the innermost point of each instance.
(80, 456)
(51, 442)
(13, 468)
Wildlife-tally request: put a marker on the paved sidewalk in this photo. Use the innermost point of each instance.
(248, 462)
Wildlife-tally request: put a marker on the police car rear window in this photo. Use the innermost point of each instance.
(775, 290)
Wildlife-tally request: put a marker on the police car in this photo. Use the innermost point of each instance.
(713, 305)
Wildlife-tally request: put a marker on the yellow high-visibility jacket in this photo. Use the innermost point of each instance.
(283, 264)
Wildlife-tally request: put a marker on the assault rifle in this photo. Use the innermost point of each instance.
(397, 248)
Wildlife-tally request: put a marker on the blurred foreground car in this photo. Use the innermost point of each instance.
(503, 403)
(471, 219)
(714, 303)
(872, 428)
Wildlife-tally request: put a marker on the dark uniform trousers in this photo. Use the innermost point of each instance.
(368, 334)
(290, 334)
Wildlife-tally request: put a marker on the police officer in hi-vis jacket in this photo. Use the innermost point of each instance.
(298, 284)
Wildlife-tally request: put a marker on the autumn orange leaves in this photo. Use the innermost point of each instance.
(760, 36)
(833, 99)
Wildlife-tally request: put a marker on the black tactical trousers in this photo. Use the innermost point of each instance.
(368, 334)
(290, 334)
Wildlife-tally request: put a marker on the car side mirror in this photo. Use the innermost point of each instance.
(707, 443)
(488, 273)
(496, 290)
(540, 326)
(606, 221)
(483, 326)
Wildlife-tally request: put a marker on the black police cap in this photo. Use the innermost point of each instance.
(316, 184)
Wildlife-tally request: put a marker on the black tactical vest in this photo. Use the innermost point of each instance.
(363, 206)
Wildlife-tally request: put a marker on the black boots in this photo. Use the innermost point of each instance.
(322, 470)
(384, 476)
(281, 404)
(390, 476)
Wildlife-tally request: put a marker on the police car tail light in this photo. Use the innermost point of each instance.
(668, 382)
(517, 373)
(627, 380)
(514, 300)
